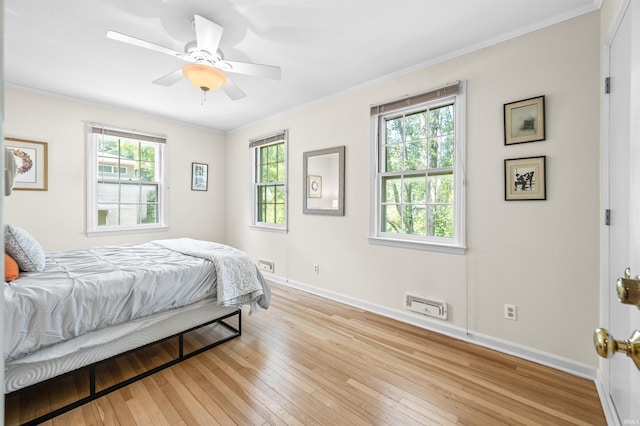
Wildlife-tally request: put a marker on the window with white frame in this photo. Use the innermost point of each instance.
(419, 150)
(126, 180)
(269, 159)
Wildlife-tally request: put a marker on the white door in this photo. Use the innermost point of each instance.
(624, 202)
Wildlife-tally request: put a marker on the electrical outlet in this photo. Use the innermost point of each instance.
(511, 312)
(316, 269)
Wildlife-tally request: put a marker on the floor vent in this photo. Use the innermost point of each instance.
(433, 308)
(266, 265)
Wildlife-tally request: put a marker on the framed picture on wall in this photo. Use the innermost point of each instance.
(315, 186)
(199, 176)
(31, 163)
(524, 121)
(525, 179)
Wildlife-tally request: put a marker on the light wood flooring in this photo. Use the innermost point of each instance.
(311, 361)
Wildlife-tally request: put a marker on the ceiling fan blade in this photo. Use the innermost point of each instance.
(169, 79)
(208, 34)
(233, 91)
(145, 44)
(257, 70)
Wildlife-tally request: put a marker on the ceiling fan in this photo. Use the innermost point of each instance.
(207, 69)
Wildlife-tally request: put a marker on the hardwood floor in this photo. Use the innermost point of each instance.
(308, 360)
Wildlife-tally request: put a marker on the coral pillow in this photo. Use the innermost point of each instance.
(10, 268)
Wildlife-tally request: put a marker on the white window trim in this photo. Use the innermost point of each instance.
(92, 189)
(453, 246)
(254, 204)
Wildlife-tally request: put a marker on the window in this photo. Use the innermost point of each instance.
(419, 173)
(126, 180)
(270, 181)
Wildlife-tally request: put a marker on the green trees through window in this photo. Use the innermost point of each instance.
(417, 170)
(270, 180)
(271, 195)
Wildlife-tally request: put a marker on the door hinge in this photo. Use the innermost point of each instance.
(607, 85)
(607, 217)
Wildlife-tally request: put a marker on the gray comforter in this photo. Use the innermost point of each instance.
(89, 289)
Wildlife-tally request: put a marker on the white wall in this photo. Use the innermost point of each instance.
(57, 217)
(540, 255)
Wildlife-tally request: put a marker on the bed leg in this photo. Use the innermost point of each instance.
(92, 380)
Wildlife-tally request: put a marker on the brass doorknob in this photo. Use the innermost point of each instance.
(628, 290)
(606, 345)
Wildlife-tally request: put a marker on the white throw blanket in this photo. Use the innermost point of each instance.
(238, 279)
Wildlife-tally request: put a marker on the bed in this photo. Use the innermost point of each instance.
(84, 307)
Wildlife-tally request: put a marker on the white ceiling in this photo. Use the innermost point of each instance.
(322, 46)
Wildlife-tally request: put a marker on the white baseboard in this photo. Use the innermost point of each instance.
(520, 351)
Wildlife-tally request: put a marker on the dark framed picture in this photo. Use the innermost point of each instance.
(31, 163)
(524, 121)
(199, 176)
(525, 179)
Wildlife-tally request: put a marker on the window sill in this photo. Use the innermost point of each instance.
(419, 245)
(126, 231)
(283, 230)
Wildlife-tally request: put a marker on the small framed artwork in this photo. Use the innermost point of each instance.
(524, 121)
(315, 186)
(31, 164)
(525, 179)
(199, 176)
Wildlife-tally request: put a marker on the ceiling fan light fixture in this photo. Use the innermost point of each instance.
(204, 77)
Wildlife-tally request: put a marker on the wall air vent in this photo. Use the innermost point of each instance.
(430, 307)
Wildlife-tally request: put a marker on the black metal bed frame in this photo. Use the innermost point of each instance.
(93, 394)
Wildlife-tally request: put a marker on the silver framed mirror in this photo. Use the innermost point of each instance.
(323, 189)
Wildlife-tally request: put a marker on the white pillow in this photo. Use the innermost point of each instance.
(25, 250)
